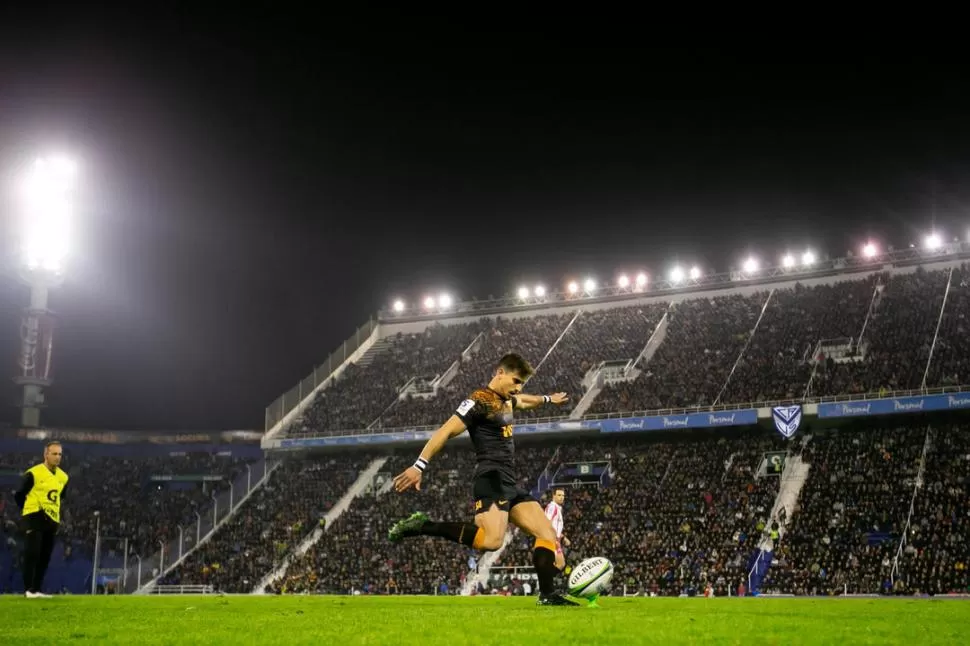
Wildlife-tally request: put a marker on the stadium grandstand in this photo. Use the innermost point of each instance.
(789, 430)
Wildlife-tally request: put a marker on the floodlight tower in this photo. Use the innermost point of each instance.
(47, 212)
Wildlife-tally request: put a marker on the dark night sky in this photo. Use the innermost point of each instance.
(250, 196)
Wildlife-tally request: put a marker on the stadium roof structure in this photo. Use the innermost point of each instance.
(687, 283)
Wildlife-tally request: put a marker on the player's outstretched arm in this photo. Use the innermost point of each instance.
(411, 477)
(525, 402)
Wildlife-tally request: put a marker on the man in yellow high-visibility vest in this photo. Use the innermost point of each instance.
(39, 499)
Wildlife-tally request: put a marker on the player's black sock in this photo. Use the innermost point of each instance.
(544, 560)
(463, 533)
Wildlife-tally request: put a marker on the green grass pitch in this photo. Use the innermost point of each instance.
(452, 621)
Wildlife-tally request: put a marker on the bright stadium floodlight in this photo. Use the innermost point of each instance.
(676, 275)
(572, 287)
(788, 261)
(623, 281)
(589, 285)
(398, 305)
(523, 292)
(808, 258)
(49, 193)
(47, 212)
(869, 250)
(933, 241)
(695, 273)
(750, 265)
(445, 301)
(641, 280)
(429, 302)
(539, 291)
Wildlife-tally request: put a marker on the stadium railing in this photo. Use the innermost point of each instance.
(141, 571)
(292, 398)
(939, 390)
(912, 505)
(183, 589)
(936, 332)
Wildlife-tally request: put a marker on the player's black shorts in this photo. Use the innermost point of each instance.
(499, 488)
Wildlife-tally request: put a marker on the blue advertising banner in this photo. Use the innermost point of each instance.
(558, 427)
(688, 420)
(656, 423)
(917, 404)
(786, 418)
(355, 440)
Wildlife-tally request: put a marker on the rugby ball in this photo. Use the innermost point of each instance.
(591, 577)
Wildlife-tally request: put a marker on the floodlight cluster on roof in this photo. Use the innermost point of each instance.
(750, 267)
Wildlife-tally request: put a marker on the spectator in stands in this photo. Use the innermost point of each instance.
(362, 393)
(852, 511)
(614, 334)
(704, 338)
(531, 337)
(777, 364)
(678, 515)
(936, 556)
(897, 339)
(354, 555)
(951, 356)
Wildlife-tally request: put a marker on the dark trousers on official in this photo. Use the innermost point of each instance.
(38, 547)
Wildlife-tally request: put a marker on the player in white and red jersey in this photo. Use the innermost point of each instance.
(554, 514)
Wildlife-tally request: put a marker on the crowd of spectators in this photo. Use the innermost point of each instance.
(898, 338)
(274, 520)
(895, 315)
(704, 338)
(851, 513)
(531, 337)
(777, 363)
(936, 557)
(680, 512)
(362, 393)
(354, 554)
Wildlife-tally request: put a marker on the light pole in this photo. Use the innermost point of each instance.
(198, 527)
(180, 542)
(47, 211)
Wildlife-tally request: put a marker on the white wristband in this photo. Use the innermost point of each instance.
(421, 464)
(546, 399)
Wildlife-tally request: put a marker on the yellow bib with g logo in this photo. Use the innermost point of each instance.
(46, 494)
